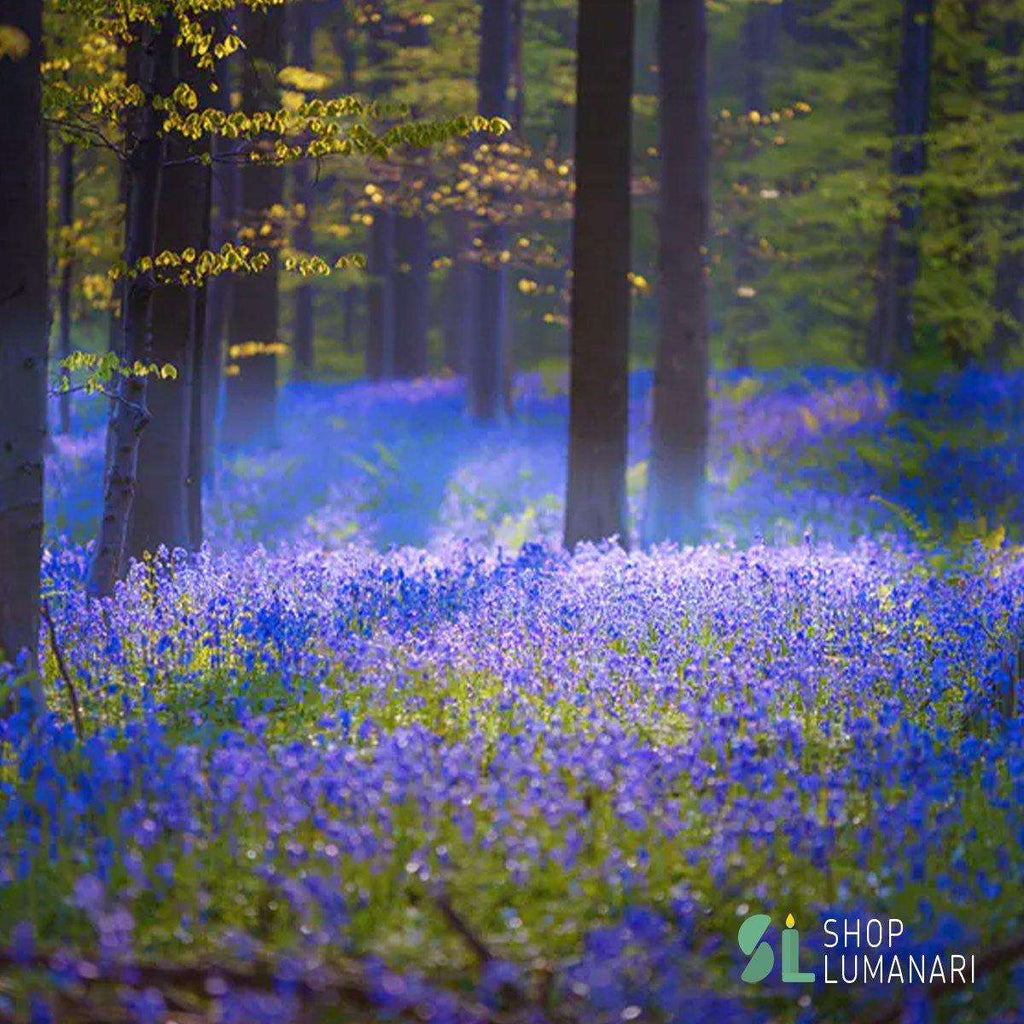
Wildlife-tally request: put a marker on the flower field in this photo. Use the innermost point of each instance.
(385, 750)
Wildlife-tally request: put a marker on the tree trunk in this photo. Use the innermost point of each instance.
(595, 505)
(412, 296)
(223, 228)
(67, 218)
(518, 80)
(303, 328)
(748, 320)
(380, 296)
(348, 319)
(115, 325)
(679, 430)
(486, 367)
(196, 385)
(130, 414)
(899, 257)
(23, 327)
(461, 293)
(1008, 295)
(380, 300)
(160, 513)
(250, 407)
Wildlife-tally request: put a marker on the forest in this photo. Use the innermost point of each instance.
(511, 511)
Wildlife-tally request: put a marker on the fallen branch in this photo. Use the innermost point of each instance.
(343, 984)
(62, 667)
(1006, 954)
(461, 927)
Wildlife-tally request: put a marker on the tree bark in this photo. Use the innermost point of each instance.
(1008, 294)
(196, 385)
(679, 430)
(748, 319)
(129, 413)
(250, 407)
(899, 256)
(486, 365)
(223, 228)
(461, 294)
(23, 327)
(67, 218)
(160, 512)
(115, 325)
(412, 296)
(380, 300)
(599, 348)
(303, 312)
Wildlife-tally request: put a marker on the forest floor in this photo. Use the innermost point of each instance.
(383, 748)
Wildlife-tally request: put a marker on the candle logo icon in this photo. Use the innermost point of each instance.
(762, 958)
(791, 954)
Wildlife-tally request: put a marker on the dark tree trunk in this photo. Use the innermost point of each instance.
(250, 407)
(486, 365)
(679, 430)
(130, 414)
(67, 218)
(518, 81)
(760, 26)
(899, 258)
(380, 296)
(115, 337)
(348, 319)
(461, 293)
(160, 509)
(303, 327)
(1008, 294)
(303, 311)
(380, 299)
(23, 327)
(412, 296)
(223, 228)
(196, 384)
(595, 505)
(342, 39)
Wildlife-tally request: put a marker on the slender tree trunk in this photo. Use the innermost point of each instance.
(412, 296)
(67, 218)
(115, 325)
(250, 408)
(380, 299)
(348, 320)
(1008, 294)
(303, 326)
(486, 367)
(899, 259)
(679, 431)
(460, 295)
(342, 39)
(196, 387)
(595, 505)
(23, 328)
(130, 414)
(160, 512)
(518, 80)
(760, 25)
(223, 228)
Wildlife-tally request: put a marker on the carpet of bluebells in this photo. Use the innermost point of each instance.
(384, 750)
